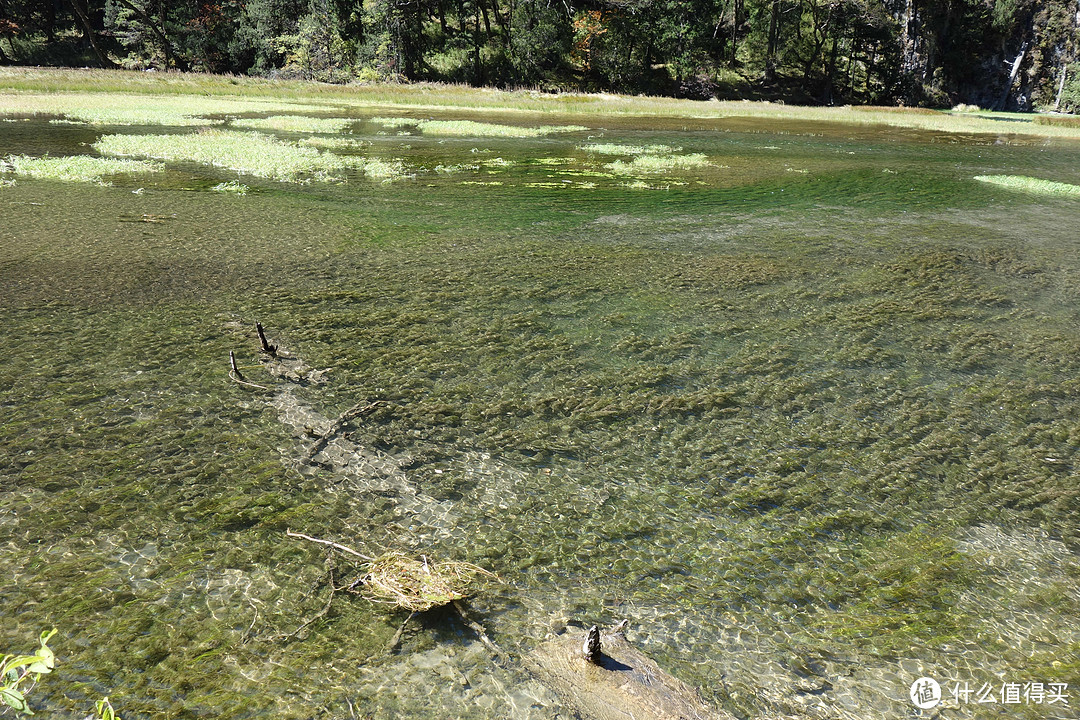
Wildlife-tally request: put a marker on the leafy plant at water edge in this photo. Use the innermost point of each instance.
(20, 673)
(105, 710)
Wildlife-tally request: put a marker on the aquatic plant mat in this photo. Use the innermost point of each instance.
(803, 413)
(417, 584)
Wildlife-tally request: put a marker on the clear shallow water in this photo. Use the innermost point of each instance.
(806, 417)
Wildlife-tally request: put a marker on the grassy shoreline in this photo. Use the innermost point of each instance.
(16, 82)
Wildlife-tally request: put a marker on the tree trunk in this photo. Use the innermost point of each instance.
(1061, 86)
(774, 38)
(909, 40)
(82, 14)
(1016, 63)
(484, 12)
(477, 78)
(159, 32)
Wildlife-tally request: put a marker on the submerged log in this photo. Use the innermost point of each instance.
(617, 682)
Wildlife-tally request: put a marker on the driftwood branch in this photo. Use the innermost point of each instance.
(478, 629)
(396, 640)
(235, 370)
(238, 377)
(338, 546)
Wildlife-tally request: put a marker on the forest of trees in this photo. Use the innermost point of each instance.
(999, 54)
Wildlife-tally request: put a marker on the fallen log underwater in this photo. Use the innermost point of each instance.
(603, 677)
(598, 675)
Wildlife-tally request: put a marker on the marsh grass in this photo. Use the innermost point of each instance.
(295, 123)
(616, 149)
(1066, 121)
(454, 169)
(250, 153)
(126, 109)
(396, 122)
(650, 164)
(332, 143)
(1031, 185)
(76, 168)
(232, 187)
(379, 168)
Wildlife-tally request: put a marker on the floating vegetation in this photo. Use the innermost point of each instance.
(616, 149)
(648, 164)
(471, 128)
(234, 187)
(419, 585)
(454, 169)
(251, 153)
(1031, 185)
(332, 143)
(378, 168)
(76, 168)
(642, 185)
(395, 122)
(295, 123)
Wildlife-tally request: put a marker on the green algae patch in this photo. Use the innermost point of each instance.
(1032, 185)
(76, 168)
(902, 593)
